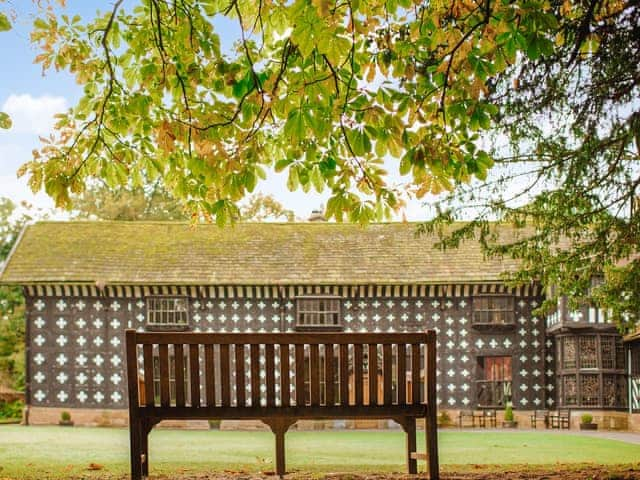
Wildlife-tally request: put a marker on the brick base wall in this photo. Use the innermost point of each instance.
(634, 422)
(88, 417)
(606, 420)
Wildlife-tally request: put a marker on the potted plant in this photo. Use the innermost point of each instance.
(214, 424)
(444, 420)
(65, 420)
(586, 422)
(509, 421)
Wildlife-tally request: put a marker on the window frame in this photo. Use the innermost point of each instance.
(505, 383)
(510, 311)
(167, 326)
(319, 326)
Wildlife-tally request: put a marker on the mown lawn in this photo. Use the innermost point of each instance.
(56, 452)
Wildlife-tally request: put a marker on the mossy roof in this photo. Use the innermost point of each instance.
(132, 253)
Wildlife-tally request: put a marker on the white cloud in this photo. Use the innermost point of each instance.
(31, 114)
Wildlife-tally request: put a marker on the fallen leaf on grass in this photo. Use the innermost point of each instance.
(95, 466)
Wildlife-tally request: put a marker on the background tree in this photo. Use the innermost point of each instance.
(325, 90)
(260, 208)
(153, 202)
(566, 147)
(148, 202)
(12, 220)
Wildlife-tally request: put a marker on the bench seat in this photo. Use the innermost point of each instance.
(279, 379)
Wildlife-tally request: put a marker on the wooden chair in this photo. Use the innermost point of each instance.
(466, 415)
(560, 419)
(207, 361)
(490, 417)
(540, 416)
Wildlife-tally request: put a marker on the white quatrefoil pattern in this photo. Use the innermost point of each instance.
(77, 344)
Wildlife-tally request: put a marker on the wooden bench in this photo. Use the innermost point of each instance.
(540, 416)
(560, 419)
(278, 378)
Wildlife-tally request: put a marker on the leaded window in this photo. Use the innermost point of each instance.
(591, 372)
(588, 352)
(609, 390)
(569, 352)
(318, 312)
(590, 389)
(167, 312)
(493, 310)
(570, 390)
(608, 352)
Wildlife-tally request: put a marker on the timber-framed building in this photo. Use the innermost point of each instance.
(86, 282)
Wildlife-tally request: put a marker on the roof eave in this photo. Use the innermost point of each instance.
(5, 264)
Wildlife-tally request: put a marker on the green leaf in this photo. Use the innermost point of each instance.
(295, 126)
(293, 182)
(359, 141)
(5, 24)
(5, 121)
(317, 179)
(282, 164)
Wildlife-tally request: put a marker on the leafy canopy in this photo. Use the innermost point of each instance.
(323, 90)
(567, 146)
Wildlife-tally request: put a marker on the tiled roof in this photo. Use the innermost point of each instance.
(244, 254)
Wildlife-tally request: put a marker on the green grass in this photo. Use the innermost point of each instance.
(55, 452)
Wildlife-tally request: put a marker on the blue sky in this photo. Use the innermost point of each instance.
(32, 99)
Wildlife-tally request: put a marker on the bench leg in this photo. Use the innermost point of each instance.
(136, 449)
(410, 430)
(431, 437)
(144, 446)
(279, 427)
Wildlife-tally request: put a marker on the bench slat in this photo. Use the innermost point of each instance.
(147, 359)
(178, 354)
(285, 369)
(241, 400)
(270, 372)
(163, 351)
(373, 374)
(357, 372)
(194, 372)
(387, 374)
(209, 376)
(318, 338)
(300, 400)
(415, 373)
(315, 374)
(344, 375)
(255, 375)
(329, 395)
(401, 377)
(225, 381)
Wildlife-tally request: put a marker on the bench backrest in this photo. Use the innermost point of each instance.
(279, 369)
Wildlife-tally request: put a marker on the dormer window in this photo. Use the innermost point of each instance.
(167, 313)
(318, 313)
(493, 310)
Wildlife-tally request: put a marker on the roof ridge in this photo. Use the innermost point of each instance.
(206, 224)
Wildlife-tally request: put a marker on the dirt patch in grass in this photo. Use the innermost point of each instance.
(467, 472)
